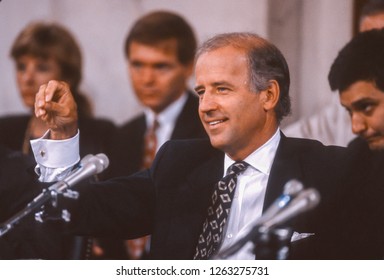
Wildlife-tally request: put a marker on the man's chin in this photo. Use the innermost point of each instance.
(216, 143)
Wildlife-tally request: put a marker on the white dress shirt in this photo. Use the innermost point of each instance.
(55, 158)
(166, 119)
(248, 201)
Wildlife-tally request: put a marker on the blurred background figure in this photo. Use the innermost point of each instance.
(357, 74)
(372, 16)
(332, 124)
(45, 51)
(160, 51)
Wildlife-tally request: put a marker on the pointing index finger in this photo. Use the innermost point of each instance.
(40, 101)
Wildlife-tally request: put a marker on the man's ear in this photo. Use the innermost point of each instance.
(270, 96)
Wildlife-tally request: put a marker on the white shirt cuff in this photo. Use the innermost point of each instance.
(56, 153)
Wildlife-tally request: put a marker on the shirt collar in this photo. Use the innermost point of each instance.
(262, 158)
(169, 114)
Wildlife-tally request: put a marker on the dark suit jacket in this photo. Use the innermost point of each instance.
(128, 148)
(28, 239)
(170, 200)
(365, 201)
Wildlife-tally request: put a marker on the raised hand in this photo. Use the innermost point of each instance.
(55, 105)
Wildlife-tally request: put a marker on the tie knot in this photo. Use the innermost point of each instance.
(151, 130)
(237, 168)
(155, 125)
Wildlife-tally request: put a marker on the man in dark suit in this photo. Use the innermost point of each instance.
(160, 50)
(357, 74)
(243, 84)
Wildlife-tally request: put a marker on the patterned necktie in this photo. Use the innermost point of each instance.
(136, 247)
(150, 145)
(213, 226)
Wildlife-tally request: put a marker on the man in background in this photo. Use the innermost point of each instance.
(160, 51)
(357, 74)
(331, 125)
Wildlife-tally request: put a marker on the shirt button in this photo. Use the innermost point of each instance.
(229, 235)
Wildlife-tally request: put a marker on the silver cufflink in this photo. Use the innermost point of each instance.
(42, 153)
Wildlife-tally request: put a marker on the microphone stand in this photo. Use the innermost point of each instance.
(48, 195)
(269, 243)
(272, 244)
(89, 165)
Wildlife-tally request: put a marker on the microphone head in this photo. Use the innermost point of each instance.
(86, 159)
(306, 200)
(293, 187)
(103, 159)
(96, 164)
(91, 165)
(312, 197)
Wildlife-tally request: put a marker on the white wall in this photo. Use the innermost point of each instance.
(309, 32)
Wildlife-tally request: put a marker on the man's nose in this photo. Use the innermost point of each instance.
(358, 124)
(147, 75)
(207, 102)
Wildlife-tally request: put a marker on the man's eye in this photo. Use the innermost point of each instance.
(162, 67)
(366, 108)
(20, 67)
(136, 65)
(222, 89)
(200, 92)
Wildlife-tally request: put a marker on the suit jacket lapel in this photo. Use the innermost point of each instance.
(284, 168)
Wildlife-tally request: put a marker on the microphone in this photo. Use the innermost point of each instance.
(305, 201)
(294, 201)
(85, 159)
(291, 189)
(89, 165)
